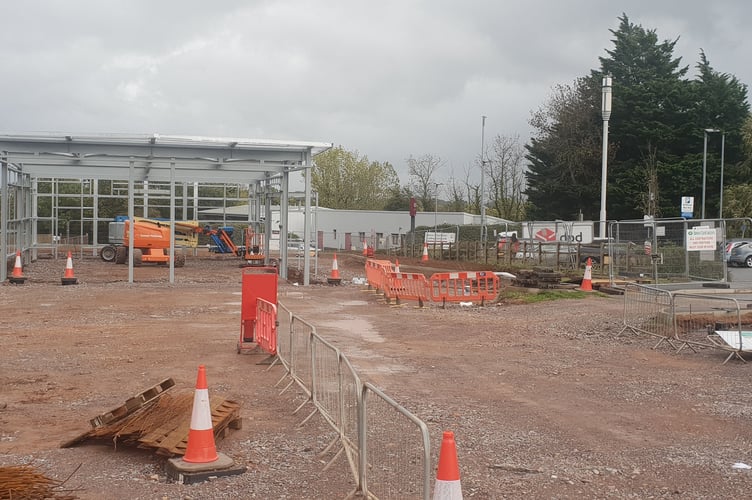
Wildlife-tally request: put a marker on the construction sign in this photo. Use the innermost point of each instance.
(559, 231)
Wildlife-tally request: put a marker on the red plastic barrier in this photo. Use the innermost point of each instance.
(470, 286)
(266, 326)
(258, 283)
(407, 286)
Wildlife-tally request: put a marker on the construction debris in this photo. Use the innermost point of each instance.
(539, 277)
(24, 482)
(158, 421)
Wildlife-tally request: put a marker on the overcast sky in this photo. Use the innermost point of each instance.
(387, 78)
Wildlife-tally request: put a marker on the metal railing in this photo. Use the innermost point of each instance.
(386, 447)
(689, 320)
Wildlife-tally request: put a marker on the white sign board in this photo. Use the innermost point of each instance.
(701, 238)
(443, 239)
(687, 206)
(559, 232)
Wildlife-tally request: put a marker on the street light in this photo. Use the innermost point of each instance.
(723, 151)
(606, 113)
(705, 166)
(482, 183)
(435, 212)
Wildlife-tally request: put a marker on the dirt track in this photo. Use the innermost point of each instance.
(545, 400)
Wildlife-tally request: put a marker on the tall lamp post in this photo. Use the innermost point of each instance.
(435, 212)
(723, 151)
(483, 183)
(606, 113)
(705, 165)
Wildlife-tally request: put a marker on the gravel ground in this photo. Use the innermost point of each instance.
(545, 400)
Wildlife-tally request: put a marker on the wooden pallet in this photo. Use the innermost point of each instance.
(168, 437)
(171, 438)
(132, 404)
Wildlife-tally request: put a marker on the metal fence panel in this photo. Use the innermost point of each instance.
(664, 249)
(648, 310)
(301, 369)
(325, 370)
(697, 317)
(352, 390)
(395, 459)
(284, 340)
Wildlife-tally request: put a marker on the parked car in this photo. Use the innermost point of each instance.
(741, 255)
(731, 244)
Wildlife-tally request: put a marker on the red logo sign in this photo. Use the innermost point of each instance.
(545, 234)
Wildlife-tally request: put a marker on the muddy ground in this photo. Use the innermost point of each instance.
(545, 400)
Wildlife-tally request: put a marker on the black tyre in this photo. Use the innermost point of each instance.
(138, 257)
(179, 260)
(108, 253)
(121, 255)
(748, 261)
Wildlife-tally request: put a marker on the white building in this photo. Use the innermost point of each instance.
(346, 229)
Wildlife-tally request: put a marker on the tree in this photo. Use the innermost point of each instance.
(345, 180)
(423, 181)
(506, 175)
(655, 138)
(399, 199)
(564, 155)
(457, 195)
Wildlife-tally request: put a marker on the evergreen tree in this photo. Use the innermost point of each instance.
(656, 135)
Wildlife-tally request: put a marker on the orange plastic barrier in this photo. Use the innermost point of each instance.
(266, 326)
(471, 286)
(376, 271)
(408, 286)
(258, 283)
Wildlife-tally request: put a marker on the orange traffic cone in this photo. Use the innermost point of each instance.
(396, 265)
(17, 276)
(424, 257)
(201, 448)
(587, 279)
(448, 485)
(365, 248)
(334, 278)
(68, 278)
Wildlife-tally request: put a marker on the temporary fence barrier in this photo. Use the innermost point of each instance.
(648, 310)
(698, 317)
(325, 382)
(266, 326)
(300, 364)
(376, 271)
(689, 320)
(470, 286)
(284, 342)
(398, 464)
(395, 455)
(350, 388)
(406, 286)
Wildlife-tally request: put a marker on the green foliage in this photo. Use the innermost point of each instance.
(345, 180)
(519, 297)
(399, 199)
(656, 134)
(565, 155)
